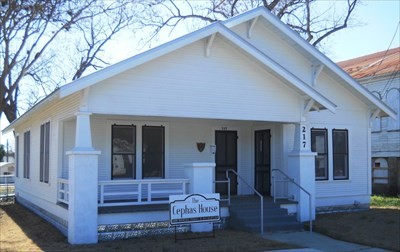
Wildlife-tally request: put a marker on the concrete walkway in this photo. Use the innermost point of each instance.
(316, 242)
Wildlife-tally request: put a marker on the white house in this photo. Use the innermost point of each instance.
(380, 73)
(132, 133)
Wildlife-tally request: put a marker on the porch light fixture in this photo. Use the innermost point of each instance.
(201, 146)
(213, 148)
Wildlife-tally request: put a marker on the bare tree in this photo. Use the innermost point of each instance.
(313, 24)
(29, 28)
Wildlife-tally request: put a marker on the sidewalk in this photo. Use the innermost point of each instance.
(316, 242)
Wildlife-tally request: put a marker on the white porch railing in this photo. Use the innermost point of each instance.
(139, 192)
(63, 190)
(131, 192)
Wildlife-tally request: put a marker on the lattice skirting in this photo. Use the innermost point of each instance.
(126, 231)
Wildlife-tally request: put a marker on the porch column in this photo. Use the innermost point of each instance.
(201, 177)
(83, 169)
(301, 167)
(201, 181)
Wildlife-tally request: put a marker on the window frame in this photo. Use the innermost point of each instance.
(325, 154)
(345, 154)
(44, 167)
(133, 153)
(27, 154)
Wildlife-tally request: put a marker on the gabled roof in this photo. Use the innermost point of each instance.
(222, 29)
(215, 28)
(314, 55)
(371, 65)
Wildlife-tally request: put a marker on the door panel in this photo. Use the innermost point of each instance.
(262, 161)
(226, 158)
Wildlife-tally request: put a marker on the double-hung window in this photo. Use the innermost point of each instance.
(340, 154)
(123, 151)
(27, 154)
(44, 152)
(319, 144)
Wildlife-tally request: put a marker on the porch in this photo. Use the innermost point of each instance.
(119, 157)
(138, 202)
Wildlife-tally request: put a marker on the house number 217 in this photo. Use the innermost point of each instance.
(303, 136)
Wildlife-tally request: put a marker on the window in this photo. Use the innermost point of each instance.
(319, 144)
(16, 156)
(340, 154)
(123, 151)
(44, 152)
(153, 152)
(27, 153)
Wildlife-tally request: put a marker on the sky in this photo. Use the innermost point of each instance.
(376, 24)
(371, 30)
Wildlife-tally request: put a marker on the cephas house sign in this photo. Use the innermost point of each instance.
(194, 208)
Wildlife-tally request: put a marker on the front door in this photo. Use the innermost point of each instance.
(263, 161)
(226, 158)
(153, 145)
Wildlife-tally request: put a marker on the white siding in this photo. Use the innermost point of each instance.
(267, 41)
(181, 138)
(45, 194)
(185, 83)
(68, 144)
(352, 115)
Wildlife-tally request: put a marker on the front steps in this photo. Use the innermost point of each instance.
(245, 215)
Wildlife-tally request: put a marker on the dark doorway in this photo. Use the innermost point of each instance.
(153, 151)
(262, 161)
(226, 158)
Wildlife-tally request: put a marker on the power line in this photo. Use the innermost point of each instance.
(373, 76)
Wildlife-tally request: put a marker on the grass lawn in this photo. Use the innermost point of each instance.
(22, 230)
(377, 227)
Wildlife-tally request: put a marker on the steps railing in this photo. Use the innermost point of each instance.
(252, 188)
(228, 199)
(291, 180)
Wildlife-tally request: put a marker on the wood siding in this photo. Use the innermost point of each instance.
(386, 131)
(353, 115)
(280, 51)
(226, 85)
(181, 138)
(39, 193)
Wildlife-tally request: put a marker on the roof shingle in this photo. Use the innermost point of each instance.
(375, 64)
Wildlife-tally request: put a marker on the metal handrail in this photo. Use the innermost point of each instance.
(229, 188)
(289, 179)
(254, 190)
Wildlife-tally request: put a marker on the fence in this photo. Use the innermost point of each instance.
(7, 187)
